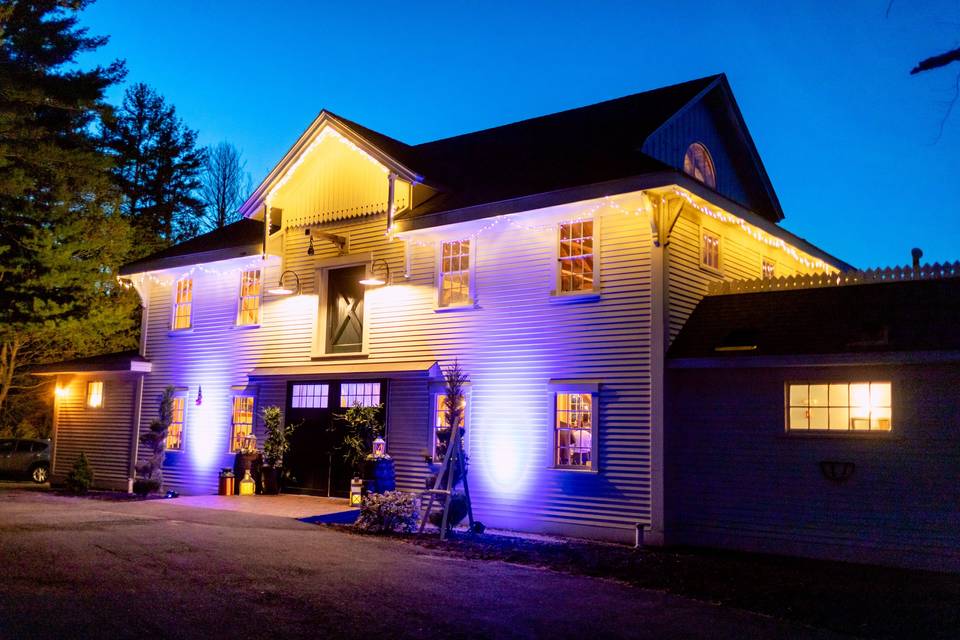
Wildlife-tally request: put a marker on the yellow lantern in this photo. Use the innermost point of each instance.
(247, 485)
(356, 492)
(379, 448)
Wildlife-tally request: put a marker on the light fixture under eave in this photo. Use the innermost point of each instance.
(374, 280)
(281, 290)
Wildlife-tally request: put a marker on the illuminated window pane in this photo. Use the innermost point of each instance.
(574, 430)
(310, 396)
(698, 164)
(576, 257)
(242, 421)
(175, 431)
(365, 394)
(455, 273)
(251, 285)
(768, 269)
(858, 406)
(95, 394)
(183, 303)
(710, 250)
(441, 432)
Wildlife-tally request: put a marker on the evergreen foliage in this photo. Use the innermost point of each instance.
(80, 477)
(277, 442)
(157, 169)
(61, 238)
(154, 443)
(389, 512)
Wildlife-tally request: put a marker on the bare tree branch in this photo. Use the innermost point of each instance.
(937, 61)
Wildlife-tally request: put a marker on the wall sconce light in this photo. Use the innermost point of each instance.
(281, 290)
(340, 242)
(61, 392)
(374, 280)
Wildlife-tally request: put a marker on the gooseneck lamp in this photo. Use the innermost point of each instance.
(281, 289)
(374, 280)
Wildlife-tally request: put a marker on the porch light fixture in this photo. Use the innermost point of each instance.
(373, 280)
(281, 290)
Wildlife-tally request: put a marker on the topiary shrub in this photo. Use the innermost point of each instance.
(393, 511)
(80, 477)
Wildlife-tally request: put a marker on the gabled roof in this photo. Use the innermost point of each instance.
(241, 238)
(912, 315)
(106, 363)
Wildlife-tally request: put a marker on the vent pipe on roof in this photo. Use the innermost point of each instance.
(917, 253)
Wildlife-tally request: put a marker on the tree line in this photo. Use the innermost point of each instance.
(85, 186)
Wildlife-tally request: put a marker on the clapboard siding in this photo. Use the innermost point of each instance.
(102, 434)
(741, 258)
(736, 480)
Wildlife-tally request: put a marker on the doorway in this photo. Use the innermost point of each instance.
(344, 312)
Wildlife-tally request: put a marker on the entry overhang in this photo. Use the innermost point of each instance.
(414, 369)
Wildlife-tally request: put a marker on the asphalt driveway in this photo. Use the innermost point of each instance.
(77, 568)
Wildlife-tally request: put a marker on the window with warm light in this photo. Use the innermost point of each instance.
(242, 421)
(709, 250)
(768, 269)
(574, 429)
(248, 308)
(441, 433)
(95, 394)
(454, 281)
(365, 394)
(175, 431)
(853, 406)
(576, 257)
(183, 304)
(309, 396)
(698, 164)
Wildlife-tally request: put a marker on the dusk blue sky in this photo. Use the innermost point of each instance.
(849, 138)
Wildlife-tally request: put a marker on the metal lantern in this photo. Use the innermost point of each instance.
(356, 492)
(247, 485)
(248, 443)
(379, 448)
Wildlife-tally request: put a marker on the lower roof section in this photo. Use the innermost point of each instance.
(119, 362)
(406, 369)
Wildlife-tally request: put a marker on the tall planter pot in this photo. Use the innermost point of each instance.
(379, 475)
(270, 475)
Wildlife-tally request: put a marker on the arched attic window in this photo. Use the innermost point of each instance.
(698, 164)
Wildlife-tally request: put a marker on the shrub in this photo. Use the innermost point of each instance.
(278, 436)
(458, 511)
(80, 477)
(389, 512)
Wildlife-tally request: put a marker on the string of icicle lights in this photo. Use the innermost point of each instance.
(328, 131)
(753, 232)
(232, 272)
(608, 202)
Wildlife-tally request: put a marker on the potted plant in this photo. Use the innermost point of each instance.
(154, 441)
(364, 450)
(275, 446)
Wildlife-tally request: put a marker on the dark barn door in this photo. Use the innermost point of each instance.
(314, 463)
(345, 310)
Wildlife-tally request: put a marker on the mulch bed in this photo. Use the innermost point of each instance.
(863, 600)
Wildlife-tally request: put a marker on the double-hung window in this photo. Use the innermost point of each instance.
(709, 250)
(575, 425)
(183, 304)
(576, 271)
(95, 394)
(175, 430)
(844, 406)
(242, 421)
(248, 308)
(441, 433)
(455, 282)
(768, 269)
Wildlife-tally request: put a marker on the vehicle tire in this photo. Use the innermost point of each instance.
(40, 473)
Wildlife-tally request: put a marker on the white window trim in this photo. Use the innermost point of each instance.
(174, 305)
(319, 344)
(590, 293)
(591, 387)
(472, 274)
(705, 231)
(236, 322)
(253, 416)
(181, 392)
(438, 389)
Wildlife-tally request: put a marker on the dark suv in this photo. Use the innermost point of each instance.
(25, 459)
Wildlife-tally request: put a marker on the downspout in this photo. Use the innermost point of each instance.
(391, 200)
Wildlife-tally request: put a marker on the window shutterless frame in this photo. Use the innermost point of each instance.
(250, 298)
(850, 407)
(176, 433)
(577, 256)
(181, 317)
(438, 419)
(711, 251)
(95, 394)
(456, 273)
(241, 420)
(575, 424)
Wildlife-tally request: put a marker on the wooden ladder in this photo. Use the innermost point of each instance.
(453, 470)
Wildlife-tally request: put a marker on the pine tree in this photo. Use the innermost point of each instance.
(157, 169)
(60, 237)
